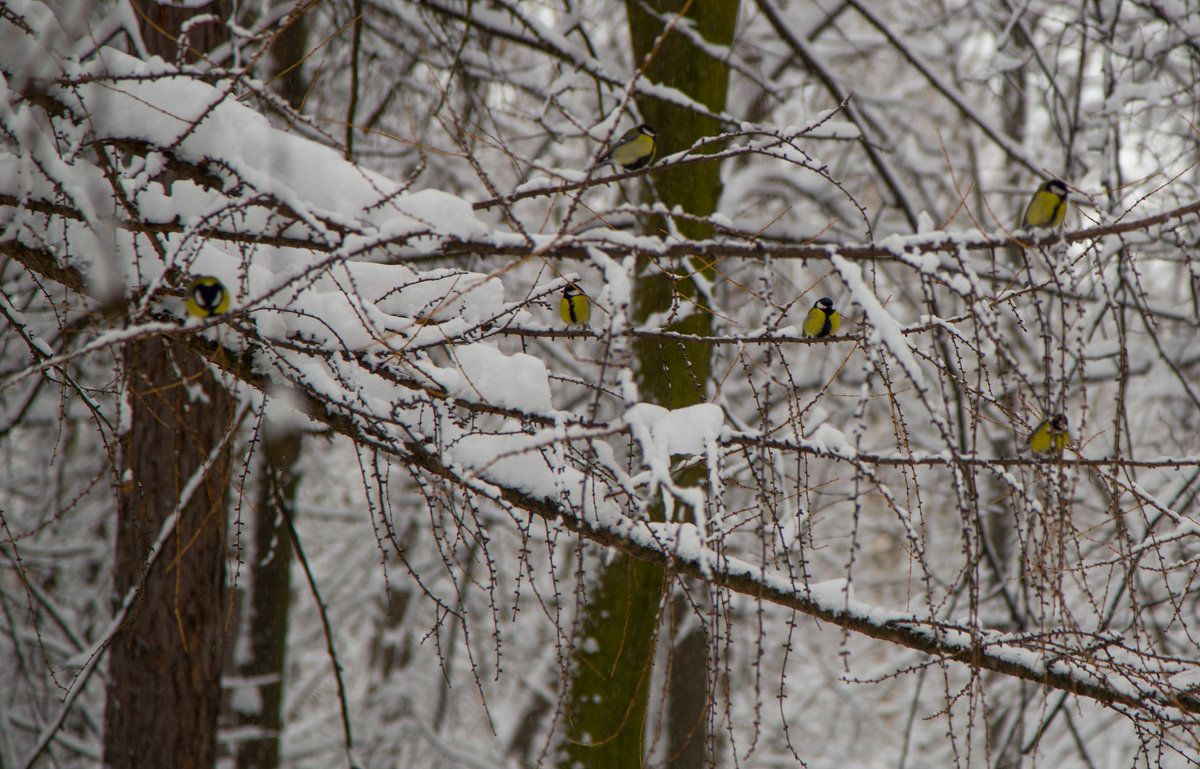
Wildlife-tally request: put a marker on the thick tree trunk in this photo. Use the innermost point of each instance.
(164, 682)
(614, 656)
(686, 378)
(165, 664)
(618, 634)
(162, 25)
(270, 599)
(288, 51)
(688, 694)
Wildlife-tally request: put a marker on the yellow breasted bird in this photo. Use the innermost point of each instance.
(575, 308)
(206, 296)
(822, 319)
(632, 151)
(1047, 208)
(1050, 437)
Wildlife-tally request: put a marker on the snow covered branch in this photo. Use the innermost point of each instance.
(406, 305)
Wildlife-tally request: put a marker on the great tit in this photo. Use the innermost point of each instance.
(1047, 208)
(1050, 437)
(575, 308)
(822, 319)
(206, 296)
(633, 150)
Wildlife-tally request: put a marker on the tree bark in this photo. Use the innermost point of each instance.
(162, 23)
(164, 682)
(165, 664)
(685, 378)
(613, 660)
(270, 598)
(288, 50)
(688, 694)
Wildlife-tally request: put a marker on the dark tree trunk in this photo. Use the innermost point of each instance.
(164, 681)
(270, 599)
(288, 51)
(618, 635)
(161, 25)
(165, 663)
(687, 691)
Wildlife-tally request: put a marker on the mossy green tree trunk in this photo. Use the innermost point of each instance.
(614, 655)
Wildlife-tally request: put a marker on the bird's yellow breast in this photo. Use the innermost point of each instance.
(1046, 210)
(819, 323)
(639, 149)
(575, 309)
(1045, 439)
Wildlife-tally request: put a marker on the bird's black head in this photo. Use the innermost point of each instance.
(208, 295)
(643, 128)
(1055, 187)
(571, 290)
(825, 303)
(1059, 422)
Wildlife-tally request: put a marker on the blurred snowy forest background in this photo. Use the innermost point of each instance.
(389, 512)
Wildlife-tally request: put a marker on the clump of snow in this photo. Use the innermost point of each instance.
(831, 439)
(485, 374)
(689, 430)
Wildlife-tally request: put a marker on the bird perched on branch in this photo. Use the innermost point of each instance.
(822, 319)
(1050, 436)
(632, 151)
(575, 308)
(206, 296)
(1047, 207)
